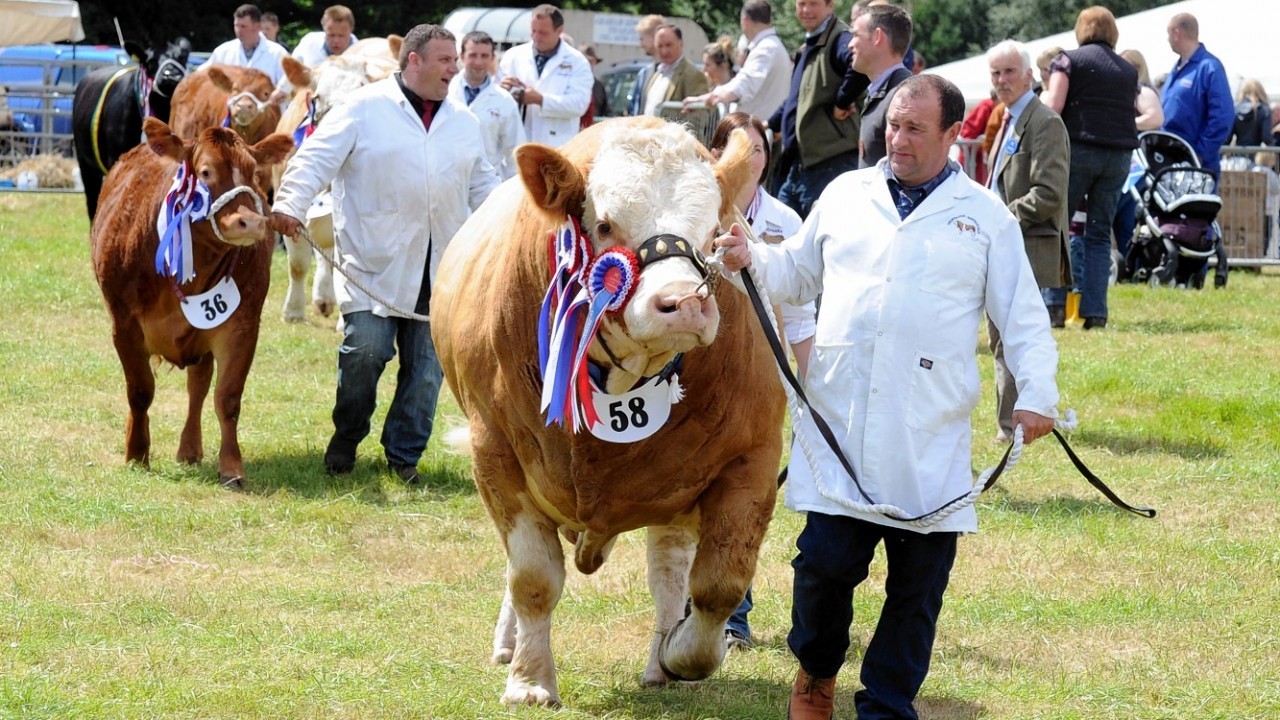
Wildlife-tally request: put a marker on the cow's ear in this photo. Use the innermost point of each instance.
(733, 170)
(220, 79)
(297, 73)
(394, 43)
(161, 139)
(272, 149)
(554, 183)
(136, 52)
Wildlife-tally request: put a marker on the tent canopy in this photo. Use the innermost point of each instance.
(1241, 33)
(27, 22)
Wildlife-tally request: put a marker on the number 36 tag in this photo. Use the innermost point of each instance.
(635, 415)
(211, 309)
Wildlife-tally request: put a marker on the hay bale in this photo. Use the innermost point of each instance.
(52, 171)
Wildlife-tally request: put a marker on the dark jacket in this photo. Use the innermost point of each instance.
(1099, 106)
(871, 147)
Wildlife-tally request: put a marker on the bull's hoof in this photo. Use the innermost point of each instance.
(294, 318)
(232, 483)
(502, 656)
(526, 694)
(685, 675)
(324, 308)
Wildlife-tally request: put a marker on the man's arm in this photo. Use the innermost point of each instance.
(314, 166)
(854, 83)
(1050, 170)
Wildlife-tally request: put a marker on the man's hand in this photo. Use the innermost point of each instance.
(840, 114)
(737, 255)
(284, 224)
(1034, 425)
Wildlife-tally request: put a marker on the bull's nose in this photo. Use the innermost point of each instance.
(243, 227)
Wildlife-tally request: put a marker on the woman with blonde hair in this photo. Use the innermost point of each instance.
(1253, 115)
(1147, 105)
(717, 62)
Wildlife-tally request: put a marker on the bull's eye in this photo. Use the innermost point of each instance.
(205, 174)
(603, 228)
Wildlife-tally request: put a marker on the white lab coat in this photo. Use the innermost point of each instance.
(565, 85)
(399, 191)
(266, 57)
(775, 221)
(500, 125)
(765, 78)
(894, 369)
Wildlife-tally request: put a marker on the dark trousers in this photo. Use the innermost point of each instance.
(835, 553)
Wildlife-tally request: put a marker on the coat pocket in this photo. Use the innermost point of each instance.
(942, 392)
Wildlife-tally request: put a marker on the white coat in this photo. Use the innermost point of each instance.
(399, 192)
(565, 84)
(500, 124)
(762, 84)
(894, 368)
(774, 221)
(266, 57)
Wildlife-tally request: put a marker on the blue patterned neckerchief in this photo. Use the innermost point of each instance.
(908, 199)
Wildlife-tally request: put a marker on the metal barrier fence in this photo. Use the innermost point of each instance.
(38, 116)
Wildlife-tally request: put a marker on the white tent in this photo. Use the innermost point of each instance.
(1241, 33)
(27, 22)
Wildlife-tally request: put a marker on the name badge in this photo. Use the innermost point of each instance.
(1011, 145)
(635, 415)
(210, 309)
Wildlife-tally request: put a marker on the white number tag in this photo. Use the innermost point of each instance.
(210, 309)
(635, 415)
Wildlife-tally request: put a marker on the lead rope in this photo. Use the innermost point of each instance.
(328, 257)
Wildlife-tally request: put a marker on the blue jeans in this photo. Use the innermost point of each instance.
(802, 187)
(835, 553)
(368, 344)
(1099, 173)
(738, 621)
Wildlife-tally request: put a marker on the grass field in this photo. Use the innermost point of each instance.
(129, 593)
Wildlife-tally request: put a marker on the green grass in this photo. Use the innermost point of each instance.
(129, 593)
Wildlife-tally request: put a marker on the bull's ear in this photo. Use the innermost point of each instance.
(136, 52)
(297, 73)
(554, 183)
(733, 169)
(180, 50)
(161, 139)
(220, 79)
(272, 149)
(394, 42)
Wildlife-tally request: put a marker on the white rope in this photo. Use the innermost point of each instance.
(305, 235)
(225, 198)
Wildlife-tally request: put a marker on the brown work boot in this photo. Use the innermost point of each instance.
(811, 698)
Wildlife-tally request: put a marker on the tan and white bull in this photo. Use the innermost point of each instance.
(704, 483)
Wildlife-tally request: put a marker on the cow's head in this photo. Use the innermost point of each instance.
(221, 160)
(247, 105)
(650, 187)
(165, 66)
(327, 83)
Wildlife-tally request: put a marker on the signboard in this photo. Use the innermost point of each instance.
(612, 29)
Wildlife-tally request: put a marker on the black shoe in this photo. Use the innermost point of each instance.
(1057, 316)
(407, 473)
(1219, 282)
(339, 465)
(734, 639)
(1095, 323)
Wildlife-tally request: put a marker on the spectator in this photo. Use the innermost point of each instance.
(1094, 89)
(819, 120)
(250, 49)
(717, 63)
(1150, 116)
(599, 98)
(760, 87)
(673, 77)
(901, 415)
(645, 30)
(1197, 106)
(494, 108)
(974, 127)
(1253, 115)
(337, 33)
(398, 143)
(918, 64)
(1275, 123)
(271, 26)
(1030, 164)
(1042, 64)
(550, 80)
(879, 38)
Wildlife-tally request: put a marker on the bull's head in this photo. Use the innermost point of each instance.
(653, 189)
(224, 163)
(328, 82)
(248, 92)
(166, 67)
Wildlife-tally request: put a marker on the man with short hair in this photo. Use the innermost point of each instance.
(760, 87)
(549, 79)
(337, 33)
(673, 78)
(818, 122)
(271, 26)
(494, 107)
(646, 29)
(250, 48)
(880, 36)
(1031, 163)
(892, 372)
(1198, 106)
(407, 165)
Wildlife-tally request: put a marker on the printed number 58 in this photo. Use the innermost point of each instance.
(619, 419)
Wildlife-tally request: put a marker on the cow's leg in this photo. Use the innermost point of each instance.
(233, 367)
(670, 554)
(322, 294)
(504, 632)
(140, 389)
(535, 578)
(295, 298)
(199, 377)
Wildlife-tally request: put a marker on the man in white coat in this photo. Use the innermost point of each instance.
(336, 34)
(251, 48)
(407, 166)
(494, 107)
(912, 253)
(549, 79)
(761, 86)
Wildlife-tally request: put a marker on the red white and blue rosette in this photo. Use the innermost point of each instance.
(187, 200)
(614, 274)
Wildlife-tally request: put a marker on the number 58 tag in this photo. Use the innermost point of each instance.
(211, 309)
(635, 415)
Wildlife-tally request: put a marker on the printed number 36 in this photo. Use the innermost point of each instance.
(213, 307)
(619, 419)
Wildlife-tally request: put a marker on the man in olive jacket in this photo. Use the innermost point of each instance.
(1030, 162)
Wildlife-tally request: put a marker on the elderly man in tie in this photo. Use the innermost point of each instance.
(1029, 162)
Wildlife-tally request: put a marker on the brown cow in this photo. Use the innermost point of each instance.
(230, 257)
(704, 482)
(225, 94)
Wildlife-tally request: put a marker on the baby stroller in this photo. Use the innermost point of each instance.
(1176, 229)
